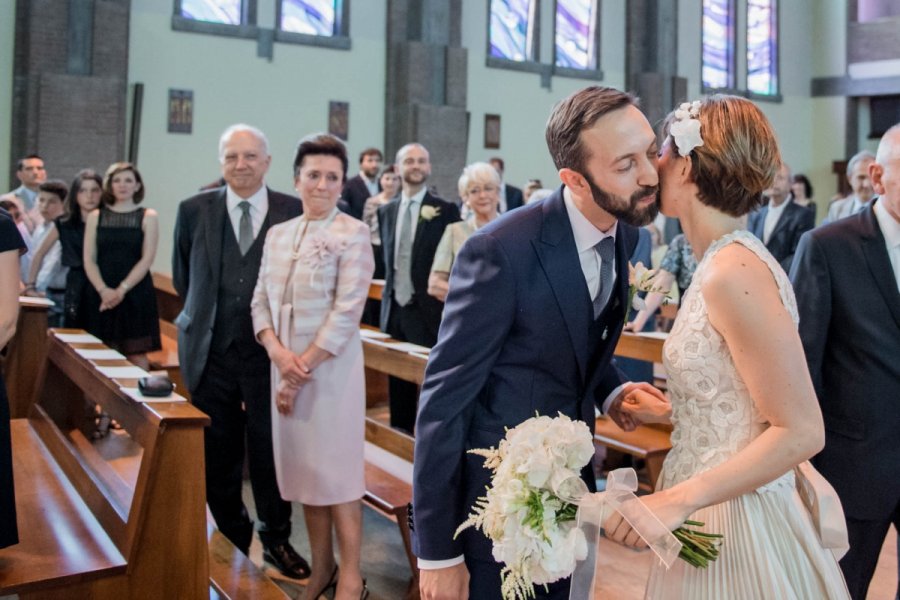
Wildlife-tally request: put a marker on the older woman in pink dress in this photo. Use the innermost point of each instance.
(312, 287)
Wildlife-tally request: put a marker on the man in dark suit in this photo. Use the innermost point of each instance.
(847, 279)
(219, 237)
(781, 222)
(364, 185)
(411, 227)
(510, 196)
(536, 305)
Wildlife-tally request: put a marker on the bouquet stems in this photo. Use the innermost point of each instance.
(698, 547)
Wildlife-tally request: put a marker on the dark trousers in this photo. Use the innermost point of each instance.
(484, 583)
(866, 541)
(407, 324)
(234, 392)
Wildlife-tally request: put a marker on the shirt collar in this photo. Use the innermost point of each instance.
(889, 226)
(781, 206)
(258, 201)
(364, 178)
(586, 235)
(418, 197)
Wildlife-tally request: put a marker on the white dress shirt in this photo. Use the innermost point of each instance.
(772, 215)
(586, 237)
(259, 206)
(372, 184)
(890, 229)
(502, 207)
(414, 217)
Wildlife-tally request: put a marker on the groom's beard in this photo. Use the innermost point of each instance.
(628, 210)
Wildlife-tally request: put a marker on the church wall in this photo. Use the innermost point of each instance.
(286, 97)
(518, 96)
(7, 42)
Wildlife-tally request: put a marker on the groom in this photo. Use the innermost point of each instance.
(536, 304)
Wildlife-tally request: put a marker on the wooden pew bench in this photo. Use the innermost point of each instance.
(117, 518)
(388, 494)
(25, 354)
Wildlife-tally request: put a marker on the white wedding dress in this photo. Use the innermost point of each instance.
(770, 549)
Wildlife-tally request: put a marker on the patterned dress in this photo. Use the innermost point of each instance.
(770, 550)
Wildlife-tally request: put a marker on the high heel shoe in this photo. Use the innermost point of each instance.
(365, 591)
(330, 586)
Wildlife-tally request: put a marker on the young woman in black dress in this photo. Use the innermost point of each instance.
(84, 196)
(119, 246)
(11, 247)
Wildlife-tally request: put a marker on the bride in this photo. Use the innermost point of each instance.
(742, 403)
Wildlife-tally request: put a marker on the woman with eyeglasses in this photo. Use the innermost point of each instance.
(479, 188)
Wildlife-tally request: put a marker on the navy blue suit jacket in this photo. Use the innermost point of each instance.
(850, 326)
(794, 222)
(514, 341)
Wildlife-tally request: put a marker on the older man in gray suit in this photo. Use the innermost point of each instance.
(847, 279)
(219, 237)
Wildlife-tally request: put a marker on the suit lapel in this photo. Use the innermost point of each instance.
(784, 219)
(215, 223)
(559, 259)
(390, 230)
(759, 225)
(878, 261)
(423, 225)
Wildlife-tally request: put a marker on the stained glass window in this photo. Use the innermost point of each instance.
(576, 34)
(213, 11)
(312, 17)
(762, 47)
(512, 29)
(718, 44)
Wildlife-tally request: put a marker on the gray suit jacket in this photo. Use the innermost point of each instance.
(850, 326)
(197, 266)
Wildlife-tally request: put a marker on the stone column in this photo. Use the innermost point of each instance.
(651, 56)
(426, 86)
(70, 83)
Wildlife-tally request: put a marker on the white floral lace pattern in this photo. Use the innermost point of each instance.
(713, 415)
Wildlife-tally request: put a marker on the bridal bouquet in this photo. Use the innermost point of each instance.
(533, 531)
(530, 511)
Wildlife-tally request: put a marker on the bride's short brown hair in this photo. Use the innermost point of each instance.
(739, 156)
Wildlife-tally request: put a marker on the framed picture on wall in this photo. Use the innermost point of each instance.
(491, 131)
(181, 111)
(339, 119)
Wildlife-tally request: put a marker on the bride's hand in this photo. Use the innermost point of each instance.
(669, 506)
(647, 407)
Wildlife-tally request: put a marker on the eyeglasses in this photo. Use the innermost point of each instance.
(490, 189)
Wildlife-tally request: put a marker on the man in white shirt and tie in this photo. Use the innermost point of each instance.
(411, 227)
(846, 277)
(536, 305)
(219, 237)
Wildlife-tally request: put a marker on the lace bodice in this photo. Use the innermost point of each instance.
(713, 415)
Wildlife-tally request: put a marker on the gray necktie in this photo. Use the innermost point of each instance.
(403, 287)
(245, 229)
(607, 251)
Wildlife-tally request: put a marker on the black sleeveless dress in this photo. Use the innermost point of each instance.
(10, 239)
(77, 305)
(132, 327)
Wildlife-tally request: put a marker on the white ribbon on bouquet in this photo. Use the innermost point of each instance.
(592, 510)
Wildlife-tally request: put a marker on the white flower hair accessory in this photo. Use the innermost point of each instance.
(686, 128)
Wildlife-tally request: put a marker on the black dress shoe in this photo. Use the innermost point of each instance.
(286, 559)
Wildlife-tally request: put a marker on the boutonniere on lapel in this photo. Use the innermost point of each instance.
(429, 212)
(642, 279)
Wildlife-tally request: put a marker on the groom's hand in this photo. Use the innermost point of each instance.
(621, 418)
(451, 583)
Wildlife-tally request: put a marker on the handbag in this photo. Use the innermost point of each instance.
(155, 386)
(824, 508)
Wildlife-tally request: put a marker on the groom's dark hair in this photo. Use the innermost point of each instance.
(573, 115)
